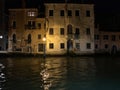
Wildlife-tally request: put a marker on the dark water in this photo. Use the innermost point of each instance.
(61, 73)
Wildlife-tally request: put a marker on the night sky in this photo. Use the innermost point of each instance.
(107, 12)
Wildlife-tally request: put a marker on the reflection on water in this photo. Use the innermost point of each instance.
(61, 73)
(2, 76)
(44, 74)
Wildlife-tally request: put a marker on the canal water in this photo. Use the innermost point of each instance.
(61, 73)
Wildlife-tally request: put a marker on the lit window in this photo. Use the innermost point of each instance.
(30, 13)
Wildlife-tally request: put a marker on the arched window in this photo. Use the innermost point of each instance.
(29, 39)
(69, 29)
(14, 38)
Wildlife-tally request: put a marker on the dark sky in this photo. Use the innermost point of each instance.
(106, 11)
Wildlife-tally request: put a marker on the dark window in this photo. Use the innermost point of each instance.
(105, 37)
(51, 45)
(62, 46)
(69, 13)
(77, 13)
(77, 46)
(96, 46)
(88, 31)
(50, 12)
(14, 38)
(39, 36)
(62, 13)
(40, 47)
(14, 24)
(69, 29)
(39, 25)
(113, 37)
(88, 13)
(31, 24)
(106, 46)
(51, 32)
(96, 37)
(61, 31)
(29, 39)
(77, 31)
(88, 46)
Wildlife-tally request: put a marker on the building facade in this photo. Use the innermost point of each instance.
(26, 31)
(70, 28)
(107, 41)
(66, 27)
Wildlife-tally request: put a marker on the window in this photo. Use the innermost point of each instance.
(88, 46)
(77, 46)
(62, 13)
(50, 12)
(96, 37)
(69, 13)
(77, 13)
(51, 46)
(69, 29)
(88, 31)
(96, 46)
(77, 33)
(14, 38)
(88, 13)
(106, 46)
(31, 24)
(31, 13)
(51, 32)
(62, 46)
(39, 25)
(113, 37)
(61, 31)
(105, 37)
(29, 39)
(14, 24)
(40, 47)
(39, 36)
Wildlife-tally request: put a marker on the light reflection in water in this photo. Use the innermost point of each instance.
(2, 76)
(44, 74)
(61, 73)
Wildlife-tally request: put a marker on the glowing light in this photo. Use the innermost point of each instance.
(1, 37)
(44, 39)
